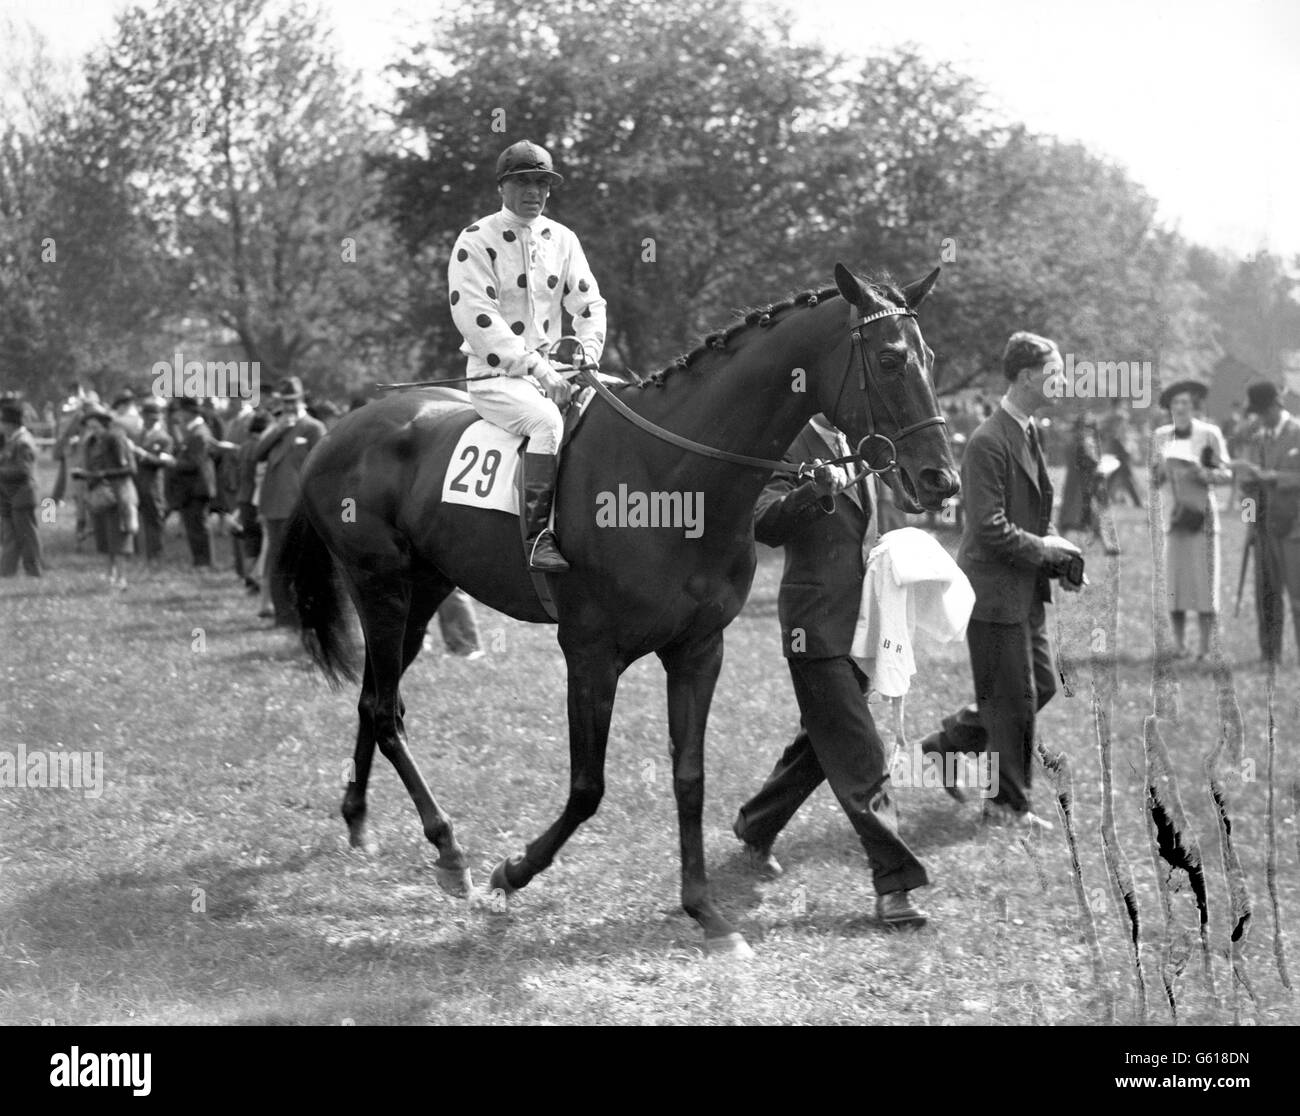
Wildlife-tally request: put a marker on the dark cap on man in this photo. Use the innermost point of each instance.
(289, 389)
(526, 157)
(188, 404)
(11, 411)
(98, 412)
(1026, 350)
(151, 406)
(126, 395)
(1260, 397)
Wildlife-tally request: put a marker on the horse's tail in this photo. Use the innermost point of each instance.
(321, 606)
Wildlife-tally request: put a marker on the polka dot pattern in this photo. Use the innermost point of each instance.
(508, 236)
(472, 228)
(462, 255)
(483, 321)
(492, 253)
(522, 280)
(493, 359)
(584, 286)
(455, 297)
(552, 280)
(517, 327)
(491, 291)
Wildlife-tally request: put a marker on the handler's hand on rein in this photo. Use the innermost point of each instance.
(829, 479)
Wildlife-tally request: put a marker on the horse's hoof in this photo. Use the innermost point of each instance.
(498, 882)
(359, 838)
(729, 945)
(456, 882)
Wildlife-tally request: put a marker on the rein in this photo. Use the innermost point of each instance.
(587, 372)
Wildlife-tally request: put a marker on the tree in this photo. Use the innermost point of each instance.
(244, 144)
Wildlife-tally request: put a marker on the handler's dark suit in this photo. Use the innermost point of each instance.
(1008, 509)
(818, 605)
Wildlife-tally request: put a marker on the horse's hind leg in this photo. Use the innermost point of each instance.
(354, 798)
(393, 614)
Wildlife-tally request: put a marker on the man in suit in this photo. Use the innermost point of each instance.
(154, 455)
(195, 479)
(1009, 551)
(1271, 478)
(284, 448)
(825, 529)
(18, 538)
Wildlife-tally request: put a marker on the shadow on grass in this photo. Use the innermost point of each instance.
(274, 936)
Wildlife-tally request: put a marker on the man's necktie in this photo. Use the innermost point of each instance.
(1036, 454)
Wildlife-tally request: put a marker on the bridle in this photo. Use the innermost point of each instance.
(865, 368)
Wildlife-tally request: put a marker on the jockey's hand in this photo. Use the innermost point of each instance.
(557, 388)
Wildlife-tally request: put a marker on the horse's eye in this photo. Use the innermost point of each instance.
(892, 361)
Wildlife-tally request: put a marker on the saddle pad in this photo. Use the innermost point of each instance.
(483, 469)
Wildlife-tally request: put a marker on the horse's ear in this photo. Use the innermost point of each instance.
(917, 292)
(848, 285)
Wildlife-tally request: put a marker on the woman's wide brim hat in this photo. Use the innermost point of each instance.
(1195, 388)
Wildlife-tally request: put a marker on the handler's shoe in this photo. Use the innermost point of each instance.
(932, 748)
(757, 858)
(896, 909)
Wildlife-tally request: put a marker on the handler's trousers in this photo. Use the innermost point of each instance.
(1014, 678)
(837, 742)
(518, 405)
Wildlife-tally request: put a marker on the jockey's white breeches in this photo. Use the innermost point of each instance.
(518, 405)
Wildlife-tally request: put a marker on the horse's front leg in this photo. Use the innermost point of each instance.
(692, 674)
(593, 679)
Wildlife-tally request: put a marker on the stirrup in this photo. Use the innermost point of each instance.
(545, 556)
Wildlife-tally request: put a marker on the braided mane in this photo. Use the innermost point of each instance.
(764, 317)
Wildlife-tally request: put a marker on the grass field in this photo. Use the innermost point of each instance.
(211, 881)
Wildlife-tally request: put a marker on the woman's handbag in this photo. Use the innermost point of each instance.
(1187, 519)
(101, 498)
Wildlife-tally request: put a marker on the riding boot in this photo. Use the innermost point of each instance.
(540, 549)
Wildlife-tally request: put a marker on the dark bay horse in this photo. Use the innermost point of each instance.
(371, 505)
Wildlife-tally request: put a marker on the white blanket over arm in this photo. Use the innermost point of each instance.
(912, 586)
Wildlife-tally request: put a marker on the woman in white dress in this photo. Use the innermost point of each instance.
(1191, 457)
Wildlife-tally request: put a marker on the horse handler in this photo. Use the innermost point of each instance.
(510, 278)
(826, 531)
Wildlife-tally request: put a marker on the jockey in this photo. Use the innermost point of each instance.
(510, 276)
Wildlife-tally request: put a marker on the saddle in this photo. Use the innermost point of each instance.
(486, 469)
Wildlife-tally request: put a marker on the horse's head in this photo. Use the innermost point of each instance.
(884, 398)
